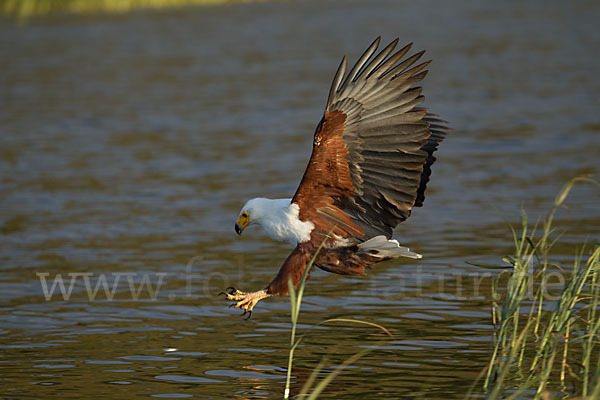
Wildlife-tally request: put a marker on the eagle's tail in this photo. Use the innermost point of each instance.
(382, 247)
(353, 259)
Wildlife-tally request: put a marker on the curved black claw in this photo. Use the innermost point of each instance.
(231, 305)
(249, 315)
(229, 290)
(244, 313)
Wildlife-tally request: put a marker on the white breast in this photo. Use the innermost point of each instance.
(282, 223)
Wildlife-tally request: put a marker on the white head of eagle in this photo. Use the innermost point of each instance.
(278, 217)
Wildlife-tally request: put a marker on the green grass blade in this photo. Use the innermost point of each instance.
(329, 378)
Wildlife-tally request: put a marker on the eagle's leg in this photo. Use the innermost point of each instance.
(245, 300)
(292, 269)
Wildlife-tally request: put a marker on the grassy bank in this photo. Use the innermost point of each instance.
(547, 339)
(21, 9)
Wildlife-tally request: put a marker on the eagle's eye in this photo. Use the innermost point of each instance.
(245, 214)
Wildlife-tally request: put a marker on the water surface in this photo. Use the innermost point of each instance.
(129, 143)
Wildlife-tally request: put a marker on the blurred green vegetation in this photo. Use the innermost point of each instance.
(32, 8)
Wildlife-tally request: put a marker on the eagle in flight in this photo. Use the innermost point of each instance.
(370, 164)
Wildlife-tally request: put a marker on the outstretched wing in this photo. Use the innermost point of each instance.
(372, 150)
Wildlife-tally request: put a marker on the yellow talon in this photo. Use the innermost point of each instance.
(245, 301)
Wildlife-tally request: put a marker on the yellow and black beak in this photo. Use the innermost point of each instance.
(241, 223)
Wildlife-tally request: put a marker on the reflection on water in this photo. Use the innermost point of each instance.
(129, 144)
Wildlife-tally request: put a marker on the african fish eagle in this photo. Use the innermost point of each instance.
(370, 164)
